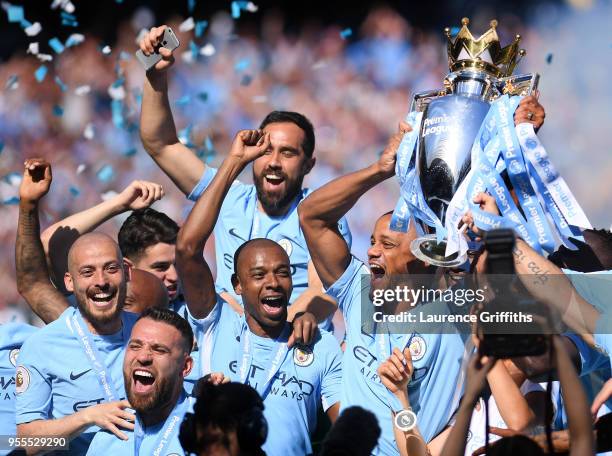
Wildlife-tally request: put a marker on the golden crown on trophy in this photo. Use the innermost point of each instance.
(484, 53)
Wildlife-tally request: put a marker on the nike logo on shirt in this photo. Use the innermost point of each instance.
(232, 231)
(74, 377)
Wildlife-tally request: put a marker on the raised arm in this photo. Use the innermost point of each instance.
(33, 281)
(322, 209)
(577, 409)
(157, 129)
(59, 237)
(195, 274)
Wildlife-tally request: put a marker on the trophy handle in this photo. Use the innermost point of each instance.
(521, 84)
(422, 99)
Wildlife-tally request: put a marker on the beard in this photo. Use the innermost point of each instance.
(146, 404)
(273, 202)
(95, 316)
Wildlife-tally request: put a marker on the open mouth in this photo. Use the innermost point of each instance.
(143, 381)
(273, 181)
(172, 290)
(377, 272)
(102, 298)
(273, 305)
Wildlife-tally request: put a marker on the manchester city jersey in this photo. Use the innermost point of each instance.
(55, 378)
(435, 387)
(160, 439)
(306, 376)
(240, 221)
(12, 337)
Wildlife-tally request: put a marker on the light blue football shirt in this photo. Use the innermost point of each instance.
(106, 443)
(201, 335)
(12, 337)
(55, 378)
(240, 221)
(306, 377)
(436, 385)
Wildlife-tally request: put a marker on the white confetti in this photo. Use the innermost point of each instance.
(33, 29)
(33, 48)
(14, 179)
(319, 64)
(88, 133)
(116, 93)
(187, 57)
(82, 90)
(106, 50)
(251, 7)
(81, 168)
(44, 57)
(66, 5)
(108, 195)
(260, 99)
(74, 39)
(208, 50)
(188, 24)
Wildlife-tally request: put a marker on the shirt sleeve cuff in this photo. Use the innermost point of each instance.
(203, 184)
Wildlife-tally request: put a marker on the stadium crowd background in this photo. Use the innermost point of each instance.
(353, 80)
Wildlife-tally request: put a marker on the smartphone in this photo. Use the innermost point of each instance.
(169, 41)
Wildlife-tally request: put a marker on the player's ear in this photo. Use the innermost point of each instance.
(309, 164)
(68, 282)
(127, 269)
(236, 284)
(187, 366)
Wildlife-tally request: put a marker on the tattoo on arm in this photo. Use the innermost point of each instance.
(33, 280)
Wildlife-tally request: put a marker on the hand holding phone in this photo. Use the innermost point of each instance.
(157, 46)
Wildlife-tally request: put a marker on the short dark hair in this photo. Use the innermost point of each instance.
(171, 318)
(144, 228)
(298, 119)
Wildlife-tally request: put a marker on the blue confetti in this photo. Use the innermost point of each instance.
(74, 191)
(58, 111)
(25, 24)
(117, 113)
(74, 39)
(11, 201)
(1, 146)
(200, 27)
(56, 45)
(209, 144)
(130, 152)
(195, 50)
(549, 58)
(454, 31)
(61, 85)
(203, 96)
(246, 80)
(183, 101)
(184, 136)
(124, 56)
(69, 20)
(105, 174)
(15, 13)
(346, 33)
(191, 5)
(237, 7)
(242, 65)
(40, 73)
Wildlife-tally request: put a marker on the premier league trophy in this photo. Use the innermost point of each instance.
(481, 72)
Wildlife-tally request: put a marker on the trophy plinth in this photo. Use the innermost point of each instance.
(429, 250)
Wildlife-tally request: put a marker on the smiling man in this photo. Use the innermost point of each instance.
(266, 209)
(256, 348)
(156, 362)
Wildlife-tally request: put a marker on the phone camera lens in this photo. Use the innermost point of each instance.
(165, 42)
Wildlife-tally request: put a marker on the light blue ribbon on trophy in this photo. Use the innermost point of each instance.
(401, 214)
(76, 324)
(558, 198)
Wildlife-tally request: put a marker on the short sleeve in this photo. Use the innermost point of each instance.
(345, 231)
(203, 183)
(347, 290)
(331, 384)
(33, 398)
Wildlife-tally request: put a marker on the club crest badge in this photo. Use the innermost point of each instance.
(286, 245)
(22, 380)
(417, 348)
(303, 356)
(13, 354)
